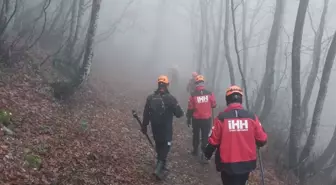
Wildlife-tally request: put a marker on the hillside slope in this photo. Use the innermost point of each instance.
(89, 140)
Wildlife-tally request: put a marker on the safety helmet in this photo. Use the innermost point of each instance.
(234, 89)
(194, 74)
(199, 78)
(163, 79)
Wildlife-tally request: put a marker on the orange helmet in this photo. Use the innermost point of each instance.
(199, 78)
(194, 74)
(234, 89)
(163, 79)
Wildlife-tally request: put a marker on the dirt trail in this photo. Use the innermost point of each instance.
(110, 151)
(183, 168)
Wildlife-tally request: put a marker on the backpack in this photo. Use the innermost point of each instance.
(157, 105)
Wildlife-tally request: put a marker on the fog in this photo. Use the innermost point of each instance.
(176, 36)
(131, 45)
(138, 40)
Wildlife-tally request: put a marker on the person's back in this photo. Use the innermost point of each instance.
(240, 130)
(159, 110)
(202, 101)
(200, 105)
(235, 134)
(162, 108)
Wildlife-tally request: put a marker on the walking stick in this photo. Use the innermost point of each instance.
(135, 115)
(261, 167)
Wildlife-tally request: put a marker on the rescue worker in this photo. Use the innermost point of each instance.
(235, 134)
(159, 110)
(191, 84)
(199, 114)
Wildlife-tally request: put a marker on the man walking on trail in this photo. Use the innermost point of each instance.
(235, 134)
(159, 110)
(191, 84)
(199, 114)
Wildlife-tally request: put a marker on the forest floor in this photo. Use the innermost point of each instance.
(90, 139)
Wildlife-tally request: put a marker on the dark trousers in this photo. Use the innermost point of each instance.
(238, 179)
(203, 126)
(162, 150)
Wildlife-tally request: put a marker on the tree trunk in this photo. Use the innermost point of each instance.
(260, 94)
(244, 51)
(318, 164)
(87, 60)
(214, 64)
(207, 37)
(201, 38)
(58, 16)
(69, 49)
(270, 59)
(80, 15)
(308, 147)
(238, 56)
(226, 43)
(73, 20)
(314, 69)
(294, 141)
(279, 61)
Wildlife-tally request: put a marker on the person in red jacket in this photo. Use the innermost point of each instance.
(191, 84)
(235, 134)
(199, 114)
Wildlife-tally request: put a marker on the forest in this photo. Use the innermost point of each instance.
(71, 71)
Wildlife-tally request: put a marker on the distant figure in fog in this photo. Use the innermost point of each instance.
(192, 83)
(174, 83)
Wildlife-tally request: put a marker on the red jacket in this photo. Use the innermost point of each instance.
(234, 134)
(201, 102)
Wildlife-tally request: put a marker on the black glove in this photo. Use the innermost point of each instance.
(144, 129)
(208, 151)
(207, 155)
(260, 144)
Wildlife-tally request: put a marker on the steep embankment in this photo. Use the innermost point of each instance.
(91, 139)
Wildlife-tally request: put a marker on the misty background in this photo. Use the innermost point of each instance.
(131, 45)
(248, 43)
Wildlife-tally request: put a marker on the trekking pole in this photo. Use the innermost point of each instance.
(261, 167)
(135, 115)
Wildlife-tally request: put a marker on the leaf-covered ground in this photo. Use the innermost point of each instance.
(111, 150)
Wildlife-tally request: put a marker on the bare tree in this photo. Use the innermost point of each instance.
(268, 80)
(233, 8)
(201, 38)
(244, 41)
(226, 42)
(314, 69)
(65, 89)
(247, 38)
(328, 65)
(296, 84)
(87, 60)
(217, 39)
(58, 17)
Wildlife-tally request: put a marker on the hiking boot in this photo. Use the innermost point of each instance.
(158, 172)
(203, 160)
